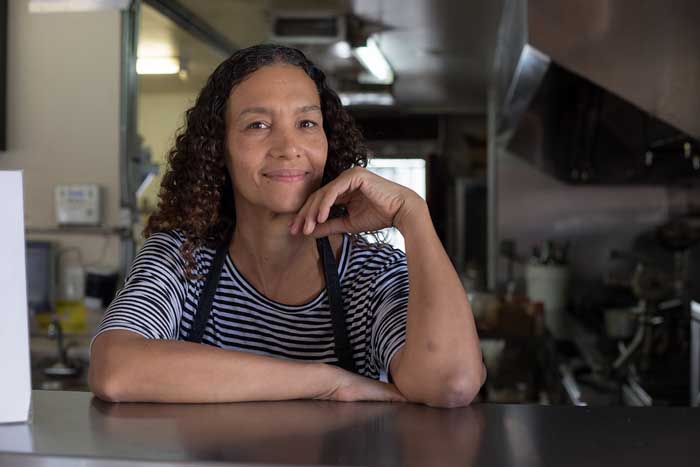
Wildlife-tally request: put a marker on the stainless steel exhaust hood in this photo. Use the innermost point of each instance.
(609, 91)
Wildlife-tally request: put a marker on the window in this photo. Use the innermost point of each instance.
(407, 172)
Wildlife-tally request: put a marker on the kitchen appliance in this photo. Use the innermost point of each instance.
(679, 236)
(78, 204)
(621, 323)
(302, 27)
(100, 287)
(41, 268)
(654, 362)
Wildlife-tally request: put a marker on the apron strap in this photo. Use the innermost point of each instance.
(207, 296)
(343, 349)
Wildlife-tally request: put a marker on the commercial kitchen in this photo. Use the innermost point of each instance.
(557, 145)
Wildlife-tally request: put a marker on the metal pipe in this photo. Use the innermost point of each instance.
(128, 144)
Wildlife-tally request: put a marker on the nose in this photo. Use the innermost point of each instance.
(285, 143)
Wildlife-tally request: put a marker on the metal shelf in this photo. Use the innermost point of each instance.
(78, 230)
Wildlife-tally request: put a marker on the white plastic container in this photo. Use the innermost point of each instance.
(549, 284)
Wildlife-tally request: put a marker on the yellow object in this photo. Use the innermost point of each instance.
(43, 320)
(73, 315)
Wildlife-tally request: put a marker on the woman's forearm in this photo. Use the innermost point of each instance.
(127, 367)
(441, 363)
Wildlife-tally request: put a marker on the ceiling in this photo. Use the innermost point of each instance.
(441, 50)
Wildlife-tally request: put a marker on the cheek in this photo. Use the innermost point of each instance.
(322, 154)
(239, 163)
(241, 171)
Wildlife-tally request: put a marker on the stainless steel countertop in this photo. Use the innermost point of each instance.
(68, 426)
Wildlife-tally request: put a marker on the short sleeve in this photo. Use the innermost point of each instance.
(150, 302)
(389, 310)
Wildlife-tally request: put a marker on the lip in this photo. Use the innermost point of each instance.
(286, 175)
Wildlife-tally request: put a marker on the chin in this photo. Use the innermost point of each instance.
(287, 207)
(290, 201)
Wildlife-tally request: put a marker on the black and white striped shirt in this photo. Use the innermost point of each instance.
(158, 301)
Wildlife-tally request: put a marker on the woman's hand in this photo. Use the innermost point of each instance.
(372, 203)
(351, 387)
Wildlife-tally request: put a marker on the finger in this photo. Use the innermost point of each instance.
(336, 194)
(298, 221)
(332, 226)
(338, 190)
(311, 215)
(326, 197)
(324, 208)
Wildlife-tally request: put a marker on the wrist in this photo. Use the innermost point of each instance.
(326, 380)
(414, 209)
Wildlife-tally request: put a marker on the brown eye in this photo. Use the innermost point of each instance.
(257, 126)
(307, 124)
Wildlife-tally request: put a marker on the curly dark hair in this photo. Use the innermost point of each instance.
(196, 195)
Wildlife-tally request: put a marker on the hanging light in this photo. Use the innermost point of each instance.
(374, 61)
(157, 65)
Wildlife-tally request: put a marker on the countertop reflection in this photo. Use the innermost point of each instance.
(76, 425)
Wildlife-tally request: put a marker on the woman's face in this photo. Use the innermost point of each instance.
(275, 140)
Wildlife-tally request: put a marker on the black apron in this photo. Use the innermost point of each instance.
(343, 350)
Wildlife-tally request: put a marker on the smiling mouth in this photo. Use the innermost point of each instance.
(286, 175)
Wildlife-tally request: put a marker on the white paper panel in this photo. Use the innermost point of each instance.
(15, 389)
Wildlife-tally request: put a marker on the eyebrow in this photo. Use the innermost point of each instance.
(265, 110)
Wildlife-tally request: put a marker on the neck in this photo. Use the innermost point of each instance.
(268, 255)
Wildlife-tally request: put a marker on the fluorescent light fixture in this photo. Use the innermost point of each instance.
(63, 6)
(366, 98)
(157, 65)
(158, 48)
(374, 61)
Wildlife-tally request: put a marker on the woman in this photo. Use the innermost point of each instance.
(269, 162)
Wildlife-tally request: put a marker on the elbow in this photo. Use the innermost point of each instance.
(456, 387)
(459, 389)
(102, 386)
(459, 393)
(105, 391)
(105, 376)
(112, 375)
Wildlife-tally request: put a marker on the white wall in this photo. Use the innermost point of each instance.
(160, 116)
(63, 114)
